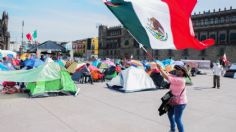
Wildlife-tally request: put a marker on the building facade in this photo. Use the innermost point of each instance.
(4, 34)
(86, 47)
(219, 25)
(116, 42)
(95, 47)
(79, 47)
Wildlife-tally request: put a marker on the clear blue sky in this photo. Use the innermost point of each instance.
(67, 20)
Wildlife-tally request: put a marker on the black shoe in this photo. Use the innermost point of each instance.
(218, 87)
(213, 87)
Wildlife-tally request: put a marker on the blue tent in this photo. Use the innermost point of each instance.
(95, 63)
(29, 62)
(3, 67)
(38, 62)
(168, 62)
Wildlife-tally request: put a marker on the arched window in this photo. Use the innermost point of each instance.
(222, 38)
(213, 36)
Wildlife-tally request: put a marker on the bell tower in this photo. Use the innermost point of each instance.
(5, 35)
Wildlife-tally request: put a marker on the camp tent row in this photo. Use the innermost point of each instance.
(132, 80)
(135, 79)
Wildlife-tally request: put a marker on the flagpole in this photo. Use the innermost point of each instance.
(148, 54)
(22, 37)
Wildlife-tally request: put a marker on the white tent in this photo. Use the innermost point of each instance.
(4, 53)
(133, 79)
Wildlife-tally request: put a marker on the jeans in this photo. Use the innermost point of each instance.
(175, 116)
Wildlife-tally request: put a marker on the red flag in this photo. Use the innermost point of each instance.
(29, 36)
(224, 58)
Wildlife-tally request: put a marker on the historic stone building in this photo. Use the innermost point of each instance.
(219, 25)
(4, 34)
(116, 42)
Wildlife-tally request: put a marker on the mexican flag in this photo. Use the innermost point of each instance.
(159, 24)
(35, 34)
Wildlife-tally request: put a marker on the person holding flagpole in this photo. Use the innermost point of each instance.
(177, 87)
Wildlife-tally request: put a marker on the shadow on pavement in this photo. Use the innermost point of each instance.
(202, 88)
(13, 96)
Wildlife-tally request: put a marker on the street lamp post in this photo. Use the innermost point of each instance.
(22, 41)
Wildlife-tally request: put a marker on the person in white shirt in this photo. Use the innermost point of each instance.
(217, 72)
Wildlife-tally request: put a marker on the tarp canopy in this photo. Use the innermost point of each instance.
(49, 46)
(74, 66)
(133, 79)
(46, 72)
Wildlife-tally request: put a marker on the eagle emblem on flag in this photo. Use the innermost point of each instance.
(156, 29)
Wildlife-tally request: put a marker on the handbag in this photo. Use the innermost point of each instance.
(165, 106)
(168, 101)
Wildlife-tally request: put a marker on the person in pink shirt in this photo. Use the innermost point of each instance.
(177, 87)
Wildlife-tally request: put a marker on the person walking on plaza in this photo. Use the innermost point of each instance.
(217, 72)
(177, 87)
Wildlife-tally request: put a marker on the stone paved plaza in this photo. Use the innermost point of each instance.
(98, 109)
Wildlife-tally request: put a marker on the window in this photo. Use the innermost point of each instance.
(216, 20)
(222, 20)
(202, 22)
(222, 38)
(212, 21)
(227, 19)
(213, 36)
(126, 42)
(203, 37)
(203, 53)
(206, 22)
(197, 23)
(233, 19)
(232, 38)
(221, 52)
(111, 53)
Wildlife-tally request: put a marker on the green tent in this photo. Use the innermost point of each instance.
(62, 86)
(48, 79)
